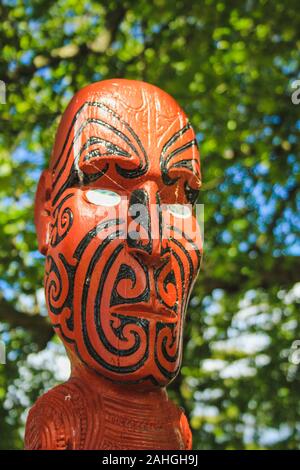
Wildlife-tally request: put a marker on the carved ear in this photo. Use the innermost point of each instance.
(42, 215)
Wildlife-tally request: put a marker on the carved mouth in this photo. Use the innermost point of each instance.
(143, 310)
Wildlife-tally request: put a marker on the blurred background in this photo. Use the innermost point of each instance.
(232, 66)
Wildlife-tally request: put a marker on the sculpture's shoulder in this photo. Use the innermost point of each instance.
(186, 431)
(57, 421)
(182, 424)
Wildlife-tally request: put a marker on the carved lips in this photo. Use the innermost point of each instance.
(156, 311)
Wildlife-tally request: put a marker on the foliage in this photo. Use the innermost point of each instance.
(231, 66)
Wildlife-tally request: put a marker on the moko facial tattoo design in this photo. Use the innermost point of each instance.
(115, 218)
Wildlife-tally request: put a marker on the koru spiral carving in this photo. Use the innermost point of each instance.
(116, 221)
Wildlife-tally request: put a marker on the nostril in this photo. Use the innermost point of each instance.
(136, 241)
(146, 259)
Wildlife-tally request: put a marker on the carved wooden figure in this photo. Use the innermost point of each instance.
(118, 279)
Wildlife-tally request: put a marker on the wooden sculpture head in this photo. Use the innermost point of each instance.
(123, 177)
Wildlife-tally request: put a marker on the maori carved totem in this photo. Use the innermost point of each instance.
(117, 279)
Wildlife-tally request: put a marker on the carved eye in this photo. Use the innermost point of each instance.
(180, 210)
(103, 197)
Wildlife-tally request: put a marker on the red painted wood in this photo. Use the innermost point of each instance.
(116, 286)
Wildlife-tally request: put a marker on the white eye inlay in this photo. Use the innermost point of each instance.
(180, 210)
(103, 197)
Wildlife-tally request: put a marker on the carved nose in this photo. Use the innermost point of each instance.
(144, 225)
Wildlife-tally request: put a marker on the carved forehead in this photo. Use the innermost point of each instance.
(125, 129)
(149, 111)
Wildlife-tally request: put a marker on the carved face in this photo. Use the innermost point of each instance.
(121, 263)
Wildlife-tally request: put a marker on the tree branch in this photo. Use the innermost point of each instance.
(38, 326)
